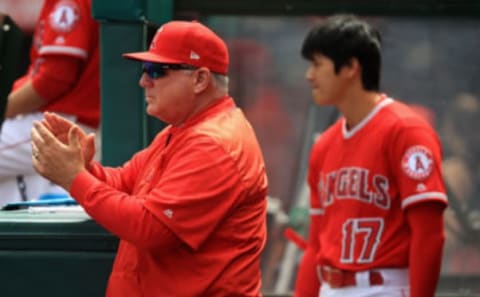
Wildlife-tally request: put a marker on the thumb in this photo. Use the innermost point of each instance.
(73, 136)
(91, 140)
(90, 146)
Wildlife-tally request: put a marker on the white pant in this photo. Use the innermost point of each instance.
(18, 179)
(396, 284)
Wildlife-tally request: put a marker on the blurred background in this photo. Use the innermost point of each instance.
(431, 60)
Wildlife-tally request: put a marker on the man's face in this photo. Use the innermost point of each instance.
(325, 83)
(169, 97)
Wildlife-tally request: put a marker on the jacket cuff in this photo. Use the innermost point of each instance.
(82, 183)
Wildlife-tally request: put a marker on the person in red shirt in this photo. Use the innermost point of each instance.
(190, 209)
(63, 77)
(377, 193)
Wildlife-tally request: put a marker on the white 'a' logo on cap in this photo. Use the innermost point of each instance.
(194, 56)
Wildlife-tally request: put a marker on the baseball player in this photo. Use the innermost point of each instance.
(63, 77)
(377, 194)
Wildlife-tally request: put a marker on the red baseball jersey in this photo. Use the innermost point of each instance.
(66, 27)
(362, 180)
(205, 180)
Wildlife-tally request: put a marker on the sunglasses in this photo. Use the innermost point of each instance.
(157, 70)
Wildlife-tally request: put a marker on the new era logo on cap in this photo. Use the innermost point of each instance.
(194, 56)
(183, 42)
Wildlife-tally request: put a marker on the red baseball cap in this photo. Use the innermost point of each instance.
(184, 42)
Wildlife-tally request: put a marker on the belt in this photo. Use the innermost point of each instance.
(337, 278)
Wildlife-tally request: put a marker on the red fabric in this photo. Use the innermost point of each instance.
(186, 42)
(363, 180)
(426, 247)
(307, 283)
(208, 186)
(56, 76)
(143, 232)
(296, 238)
(66, 28)
(344, 278)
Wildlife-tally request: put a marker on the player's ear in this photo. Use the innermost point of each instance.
(351, 68)
(202, 77)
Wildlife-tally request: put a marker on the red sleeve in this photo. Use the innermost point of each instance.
(417, 156)
(426, 246)
(20, 82)
(307, 283)
(56, 76)
(123, 178)
(198, 188)
(68, 27)
(111, 209)
(119, 178)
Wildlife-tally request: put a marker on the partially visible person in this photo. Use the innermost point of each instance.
(461, 174)
(462, 177)
(375, 177)
(190, 209)
(24, 12)
(63, 77)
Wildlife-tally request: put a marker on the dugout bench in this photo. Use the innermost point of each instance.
(53, 254)
(61, 253)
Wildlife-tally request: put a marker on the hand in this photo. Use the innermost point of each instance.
(60, 128)
(58, 125)
(57, 161)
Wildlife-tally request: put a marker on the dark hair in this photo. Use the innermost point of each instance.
(343, 37)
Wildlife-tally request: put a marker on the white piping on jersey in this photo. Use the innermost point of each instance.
(60, 49)
(317, 211)
(425, 196)
(348, 134)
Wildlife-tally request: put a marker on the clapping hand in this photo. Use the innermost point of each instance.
(60, 128)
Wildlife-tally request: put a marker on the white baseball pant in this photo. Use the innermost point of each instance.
(18, 179)
(396, 284)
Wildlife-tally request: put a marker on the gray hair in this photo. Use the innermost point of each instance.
(221, 81)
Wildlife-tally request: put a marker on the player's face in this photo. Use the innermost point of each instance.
(169, 95)
(325, 83)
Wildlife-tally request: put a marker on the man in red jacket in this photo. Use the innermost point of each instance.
(189, 209)
(63, 77)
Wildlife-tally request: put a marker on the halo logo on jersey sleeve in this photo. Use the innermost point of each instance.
(65, 16)
(417, 162)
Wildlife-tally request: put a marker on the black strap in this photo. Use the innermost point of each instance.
(22, 187)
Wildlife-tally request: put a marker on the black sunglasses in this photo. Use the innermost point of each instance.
(157, 70)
